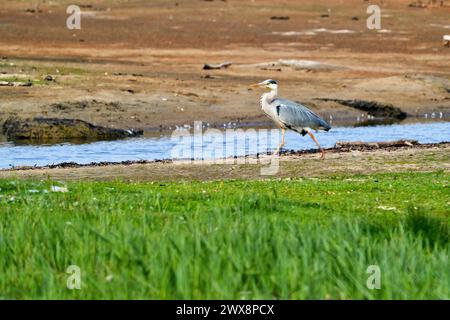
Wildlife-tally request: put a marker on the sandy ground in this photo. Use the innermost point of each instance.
(148, 55)
(423, 158)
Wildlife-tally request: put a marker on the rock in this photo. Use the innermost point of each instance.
(49, 78)
(15, 84)
(446, 40)
(61, 129)
(223, 65)
(417, 4)
(303, 65)
(279, 18)
(428, 4)
(271, 69)
(373, 108)
(33, 10)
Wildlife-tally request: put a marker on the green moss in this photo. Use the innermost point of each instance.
(24, 80)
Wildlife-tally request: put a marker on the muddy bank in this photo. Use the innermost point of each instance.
(340, 147)
(51, 129)
(151, 67)
(373, 108)
(421, 158)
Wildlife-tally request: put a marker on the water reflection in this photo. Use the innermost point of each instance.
(49, 142)
(376, 122)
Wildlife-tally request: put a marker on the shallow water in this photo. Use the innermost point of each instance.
(209, 144)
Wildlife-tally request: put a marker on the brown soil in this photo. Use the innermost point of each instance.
(147, 56)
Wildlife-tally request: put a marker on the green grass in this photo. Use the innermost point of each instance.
(62, 71)
(36, 72)
(23, 80)
(274, 239)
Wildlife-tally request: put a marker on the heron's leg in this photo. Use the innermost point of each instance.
(318, 145)
(277, 151)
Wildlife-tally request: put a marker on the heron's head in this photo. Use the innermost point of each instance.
(267, 84)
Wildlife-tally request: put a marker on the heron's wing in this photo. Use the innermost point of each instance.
(297, 116)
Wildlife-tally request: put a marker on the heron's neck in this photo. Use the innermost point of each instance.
(269, 96)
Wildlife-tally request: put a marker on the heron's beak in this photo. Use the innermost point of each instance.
(256, 85)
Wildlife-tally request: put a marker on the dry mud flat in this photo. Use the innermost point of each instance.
(362, 159)
(142, 61)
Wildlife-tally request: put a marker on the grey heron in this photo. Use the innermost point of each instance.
(288, 114)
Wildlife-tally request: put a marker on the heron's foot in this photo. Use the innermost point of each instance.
(278, 151)
(322, 155)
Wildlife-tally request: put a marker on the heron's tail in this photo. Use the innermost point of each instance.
(324, 125)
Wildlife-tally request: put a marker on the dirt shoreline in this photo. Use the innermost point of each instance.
(362, 159)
